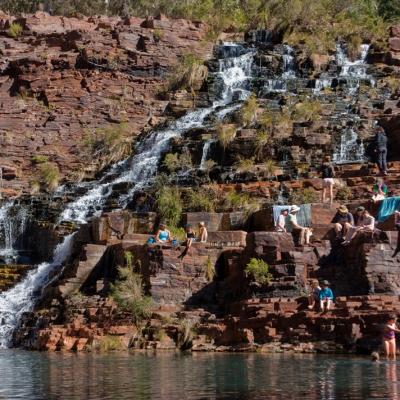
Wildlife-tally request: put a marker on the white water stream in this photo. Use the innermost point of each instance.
(140, 170)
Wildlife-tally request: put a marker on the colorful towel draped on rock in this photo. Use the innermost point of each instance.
(388, 207)
(303, 216)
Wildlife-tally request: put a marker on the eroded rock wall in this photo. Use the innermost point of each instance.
(63, 79)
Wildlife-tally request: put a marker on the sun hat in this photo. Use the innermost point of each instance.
(294, 208)
(343, 209)
(360, 208)
(325, 283)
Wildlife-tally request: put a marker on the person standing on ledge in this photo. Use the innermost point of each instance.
(381, 142)
(327, 175)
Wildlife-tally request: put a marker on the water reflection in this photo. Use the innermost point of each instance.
(194, 376)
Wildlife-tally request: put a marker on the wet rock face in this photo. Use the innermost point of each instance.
(63, 78)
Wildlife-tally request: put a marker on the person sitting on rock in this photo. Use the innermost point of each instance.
(365, 222)
(380, 142)
(314, 295)
(190, 238)
(303, 232)
(380, 190)
(325, 297)
(389, 337)
(343, 221)
(281, 223)
(327, 175)
(163, 235)
(203, 233)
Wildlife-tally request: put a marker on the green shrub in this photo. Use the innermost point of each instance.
(209, 270)
(15, 30)
(343, 193)
(177, 233)
(248, 110)
(174, 161)
(128, 294)
(169, 204)
(39, 159)
(303, 196)
(258, 270)
(186, 333)
(226, 135)
(189, 74)
(307, 110)
(263, 138)
(269, 167)
(158, 34)
(199, 200)
(108, 144)
(245, 165)
(49, 175)
(110, 343)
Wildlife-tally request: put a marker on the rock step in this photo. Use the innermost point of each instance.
(11, 274)
(90, 258)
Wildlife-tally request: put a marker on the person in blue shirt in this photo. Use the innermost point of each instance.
(325, 297)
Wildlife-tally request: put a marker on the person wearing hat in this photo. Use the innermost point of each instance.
(325, 297)
(303, 232)
(343, 221)
(365, 222)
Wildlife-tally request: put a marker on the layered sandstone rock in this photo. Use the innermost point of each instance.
(66, 78)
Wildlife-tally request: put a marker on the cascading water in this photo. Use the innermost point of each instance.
(22, 297)
(234, 73)
(206, 151)
(279, 85)
(351, 148)
(13, 220)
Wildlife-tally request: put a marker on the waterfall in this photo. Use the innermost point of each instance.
(279, 85)
(13, 220)
(321, 84)
(351, 148)
(22, 297)
(233, 72)
(289, 71)
(140, 170)
(206, 150)
(357, 68)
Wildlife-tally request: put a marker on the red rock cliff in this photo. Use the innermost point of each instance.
(64, 78)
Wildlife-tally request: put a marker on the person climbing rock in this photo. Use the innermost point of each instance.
(343, 221)
(379, 190)
(327, 175)
(365, 222)
(325, 297)
(303, 232)
(281, 223)
(381, 142)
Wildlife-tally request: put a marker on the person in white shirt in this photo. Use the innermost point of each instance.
(281, 223)
(365, 222)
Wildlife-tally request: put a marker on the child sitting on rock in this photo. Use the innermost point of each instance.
(325, 297)
(314, 295)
